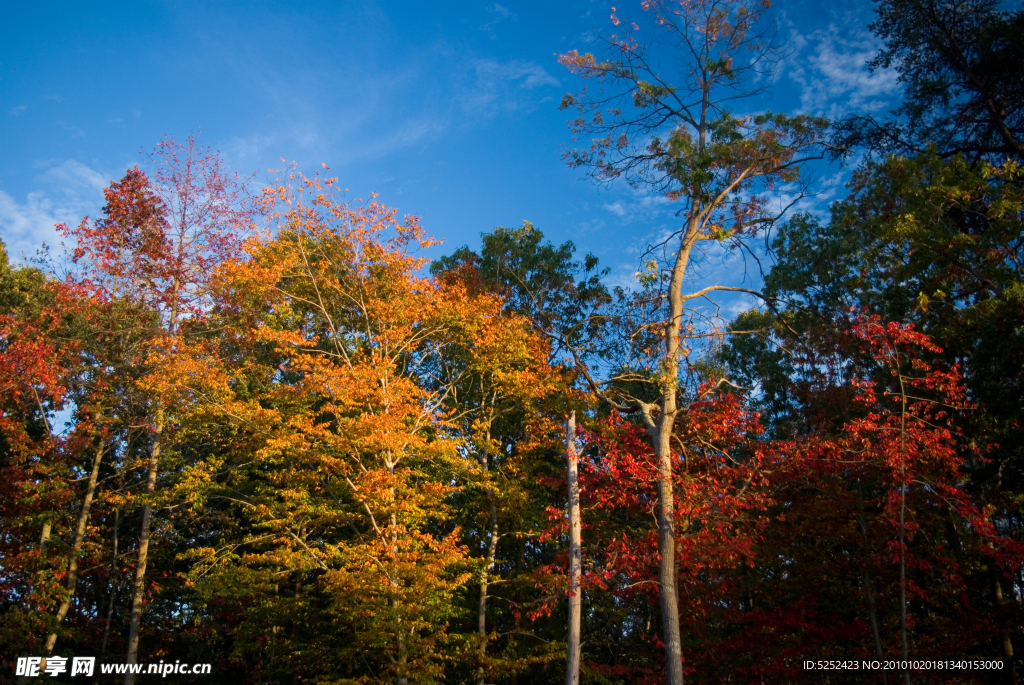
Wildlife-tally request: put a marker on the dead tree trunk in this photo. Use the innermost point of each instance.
(572, 669)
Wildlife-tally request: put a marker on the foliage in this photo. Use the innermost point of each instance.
(256, 430)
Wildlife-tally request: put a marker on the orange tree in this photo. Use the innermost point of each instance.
(540, 287)
(338, 500)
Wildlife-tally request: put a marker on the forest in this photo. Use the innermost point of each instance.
(250, 425)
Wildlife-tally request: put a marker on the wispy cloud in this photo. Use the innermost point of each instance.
(616, 208)
(623, 275)
(73, 130)
(502, 86)
(499, 13)
(245, 152)
(641, 206)
(830, 68)
(406, 134)
(521, 73)
(503, 12)
(17, 111)
(73, 178)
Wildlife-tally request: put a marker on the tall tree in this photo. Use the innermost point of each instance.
(346, 492)
(113, 331)
(158, 246)
(37, 368)
(672, 132)
(719, 504)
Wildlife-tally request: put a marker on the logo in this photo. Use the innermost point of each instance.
(34, 666)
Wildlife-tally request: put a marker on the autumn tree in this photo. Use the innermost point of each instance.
(346, 491)
(882, 503)
(720, 505)
(36, 461)
(927, 240)
(540, 281)
(671, 132)
(492, 371)
(110, 334)
(157, 246)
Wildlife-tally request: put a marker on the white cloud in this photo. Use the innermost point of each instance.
(500, 13)
(246, 152)
(642, 205)
(66, 192)
(623, 275)
(25, 226)
(73, 179)
(405, 134)
(16, 111)
(73, 130)
(830, 67)
(523, 74)
(616, 208)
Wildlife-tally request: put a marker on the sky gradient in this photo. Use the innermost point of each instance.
(449, 112)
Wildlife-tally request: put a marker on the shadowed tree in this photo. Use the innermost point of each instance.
(960, 64)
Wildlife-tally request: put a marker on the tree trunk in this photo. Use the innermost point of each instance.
(44, 537)
(139, 586)
(403, 648)
(661, 434)
(76, 548)
(572, 669)
(110, 602)
(492, 549)
(868, 592)
(1007, 643)
(667, 564)
(903, 514)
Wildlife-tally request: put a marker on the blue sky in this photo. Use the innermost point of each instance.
(448, 110)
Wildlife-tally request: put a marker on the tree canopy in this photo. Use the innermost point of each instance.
(260, 430)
